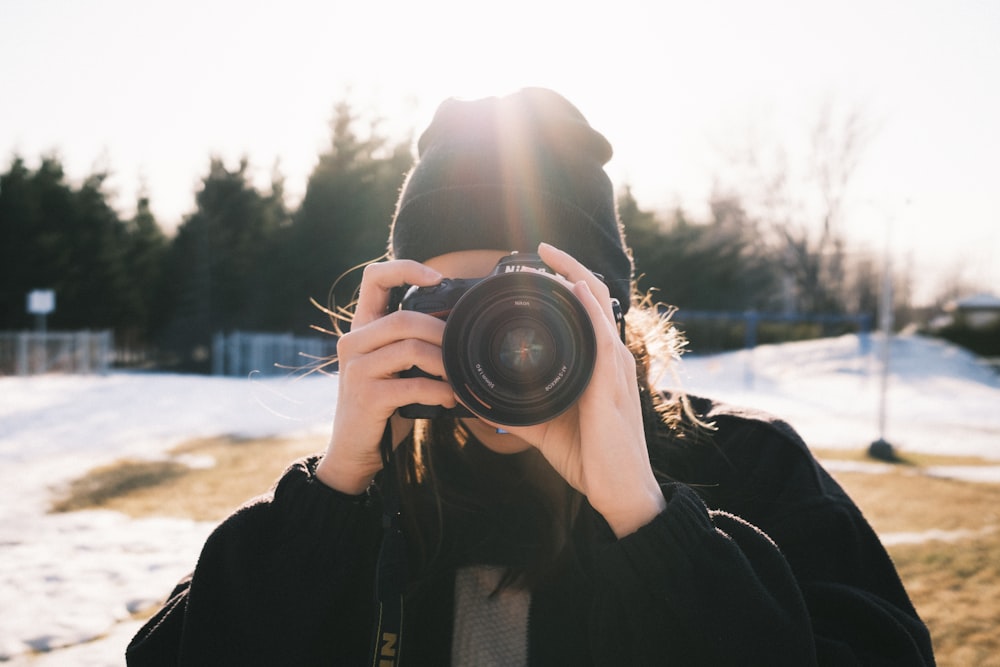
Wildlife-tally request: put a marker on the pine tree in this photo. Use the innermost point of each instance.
(219, 264)
(343, 220)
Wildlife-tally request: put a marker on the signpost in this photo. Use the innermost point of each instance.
(41, 302)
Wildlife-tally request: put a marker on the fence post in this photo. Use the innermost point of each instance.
(82, 341)
(235, 357)
(105, 347)
(256, 346)
(218, 350)
(750, 320)
(22, 354)
(864, 334)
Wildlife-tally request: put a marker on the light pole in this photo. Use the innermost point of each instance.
(881, 448)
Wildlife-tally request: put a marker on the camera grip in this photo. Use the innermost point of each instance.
(421, 411)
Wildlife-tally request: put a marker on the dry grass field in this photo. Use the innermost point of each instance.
(954, 579)
(955, 582)
(242, 470)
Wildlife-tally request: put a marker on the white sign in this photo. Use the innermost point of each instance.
(41, 301)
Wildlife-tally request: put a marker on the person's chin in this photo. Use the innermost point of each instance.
(499, 443)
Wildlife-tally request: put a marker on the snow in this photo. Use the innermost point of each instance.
(68, 582)
(940, 398)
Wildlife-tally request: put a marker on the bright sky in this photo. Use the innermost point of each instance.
(149, 90)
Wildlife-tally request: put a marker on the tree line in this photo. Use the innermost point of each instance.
(245, 260)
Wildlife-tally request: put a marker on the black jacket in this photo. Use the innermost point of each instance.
(759, 559)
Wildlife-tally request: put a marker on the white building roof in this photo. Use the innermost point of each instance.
(980, 301)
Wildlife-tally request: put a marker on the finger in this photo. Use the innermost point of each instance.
(395, 327)
(420, 390)
(380, 278)
(604, 327)
(614, 363)
(384, 397)
(403, 355)
(566, 265)
(373, 383)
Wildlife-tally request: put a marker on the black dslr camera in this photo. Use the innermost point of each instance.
(519, 347)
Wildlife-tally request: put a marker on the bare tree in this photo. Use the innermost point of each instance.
(801, 202)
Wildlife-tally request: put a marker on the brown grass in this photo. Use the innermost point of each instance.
(955, 585)
(243, 470)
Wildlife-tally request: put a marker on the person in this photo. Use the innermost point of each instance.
(636, 526)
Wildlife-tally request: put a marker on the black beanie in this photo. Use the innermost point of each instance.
(506, 173)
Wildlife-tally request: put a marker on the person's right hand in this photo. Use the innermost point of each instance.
(379, 345)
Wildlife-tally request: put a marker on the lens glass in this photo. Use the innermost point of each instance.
(523, 350)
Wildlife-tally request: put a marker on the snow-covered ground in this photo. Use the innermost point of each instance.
(940, 398)
(68, 582)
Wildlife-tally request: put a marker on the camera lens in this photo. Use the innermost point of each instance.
(519, 348)
(522, 350)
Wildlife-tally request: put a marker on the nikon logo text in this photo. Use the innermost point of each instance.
(387, 657)
(517, 268)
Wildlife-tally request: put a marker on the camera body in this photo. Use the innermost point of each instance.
(518, 346)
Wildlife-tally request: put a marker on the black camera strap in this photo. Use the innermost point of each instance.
(391, 568)
(390, 573)
(616, 309)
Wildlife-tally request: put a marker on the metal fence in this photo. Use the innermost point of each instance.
(719, 331)
(241, 353)
(34, 353)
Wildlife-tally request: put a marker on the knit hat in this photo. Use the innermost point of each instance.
(506, 173)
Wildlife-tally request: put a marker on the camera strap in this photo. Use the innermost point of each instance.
(391, 568)
(390, 573)
(616, 309)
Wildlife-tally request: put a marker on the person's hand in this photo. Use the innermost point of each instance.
(371, 355)
(599, 445)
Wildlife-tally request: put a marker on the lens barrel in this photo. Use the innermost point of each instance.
(519, 348)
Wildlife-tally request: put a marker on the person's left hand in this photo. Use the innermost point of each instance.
(599, 445)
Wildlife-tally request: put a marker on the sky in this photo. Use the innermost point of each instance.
(74, 577)
(149, 91)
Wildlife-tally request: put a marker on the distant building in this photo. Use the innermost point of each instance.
(977, 312)
(973, 323)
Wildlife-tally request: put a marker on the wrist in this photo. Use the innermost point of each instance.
(339, 479)
(641, 508)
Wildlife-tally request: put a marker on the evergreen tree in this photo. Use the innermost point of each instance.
(37, 210)
(18, 255)
(69, 240)
(94, 284)
(219, 264)
(343, 219)
(645, 235)
(145, 253)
